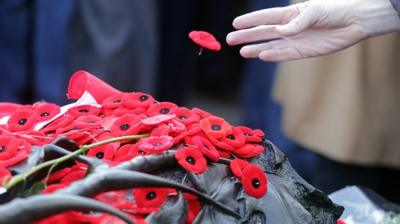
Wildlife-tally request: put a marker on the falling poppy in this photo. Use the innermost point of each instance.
(82, 81)
(205, 147)
(46, 111)
(191, 160)
(161, 108)
(215, 127)
(151, 197)
(237, 166)
(128, 124)
(249, 150)
(22, 120)
(254, 181)
(155, 144)
(205, 39)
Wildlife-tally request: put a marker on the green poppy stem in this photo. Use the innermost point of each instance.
(83, 149)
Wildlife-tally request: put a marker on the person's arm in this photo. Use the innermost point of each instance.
(312, 28)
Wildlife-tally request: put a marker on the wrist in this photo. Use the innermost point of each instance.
(377, 17)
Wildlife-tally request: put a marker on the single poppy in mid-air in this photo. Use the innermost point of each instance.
(205, 39)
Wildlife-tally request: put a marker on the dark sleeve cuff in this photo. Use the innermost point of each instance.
(396, 5)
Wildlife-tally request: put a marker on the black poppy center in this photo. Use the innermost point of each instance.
(256, 183)
(22, 121)
(45, 114)
(232, 137)
(151, 195)
(182, 117)
(191, 160)
(216, 127)
(100, 155)
(2, 148)
(143, 98)
(124, 127)
(142, 152)
(117, 101)
(83, 111)
(164, 111)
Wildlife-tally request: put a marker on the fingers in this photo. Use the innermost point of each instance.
(277, 50)
(279, 55)
(262, 32)
(303, 21)
(269, 16)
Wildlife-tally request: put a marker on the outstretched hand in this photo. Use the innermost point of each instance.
(313, 28)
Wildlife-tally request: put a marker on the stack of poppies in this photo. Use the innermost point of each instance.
(197, 137)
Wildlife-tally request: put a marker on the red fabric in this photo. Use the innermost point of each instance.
(83, 81)
(205, 39)
(6, 109)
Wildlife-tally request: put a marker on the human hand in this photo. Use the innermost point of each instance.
(312, 28)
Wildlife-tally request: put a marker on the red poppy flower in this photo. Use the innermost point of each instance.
(46, 111)
(161, 108)
(151, 197)
(87, 121)
(5, 174)
(128, 152)
(52, 188)
(138, 99)
(83, 81)
(252, 135)
(237, 166)
(77, 172)
(157, 119)
(202, 113)
(114, 101)
(194, 207)
(176, 126)
(128, 124)
(235, 139)
(205, 147)
(54, 177)
(186, 116)
(83, 110)
(215, 127)
(155, 144)
(205, 39)
(225, 154)
(13, 150)
(22, 120)
(254, 181)
(193, 129)
(58, 123)
(6, 109)
(191, 160)
(249, 150)
(220, 144)
(104, 152)
(160, 130)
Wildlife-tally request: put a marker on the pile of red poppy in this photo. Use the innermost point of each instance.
(199, 137)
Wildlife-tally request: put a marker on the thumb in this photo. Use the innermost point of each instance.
(300, 23)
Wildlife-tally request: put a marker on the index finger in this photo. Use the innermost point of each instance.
(270, 16)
